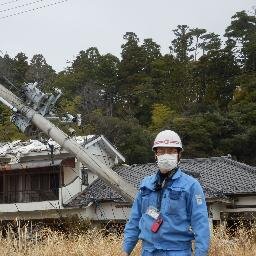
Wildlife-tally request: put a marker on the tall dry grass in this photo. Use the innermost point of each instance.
(95, 242)
(239, 243)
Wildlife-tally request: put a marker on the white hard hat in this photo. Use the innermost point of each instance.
(167, 138)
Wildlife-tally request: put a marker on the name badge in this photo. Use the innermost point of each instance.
(153, 212)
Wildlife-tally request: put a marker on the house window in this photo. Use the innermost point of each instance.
(29, 186)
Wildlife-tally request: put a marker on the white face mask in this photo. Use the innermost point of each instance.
(167, 162)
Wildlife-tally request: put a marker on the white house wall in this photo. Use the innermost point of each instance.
(69, 191)
(106, 212)
(240, 210)
(72, 182)
(46, 214)
(215, 209)
(26, 207)
(246, 200)
(70, 174)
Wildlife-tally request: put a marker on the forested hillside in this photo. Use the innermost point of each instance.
(205, 89)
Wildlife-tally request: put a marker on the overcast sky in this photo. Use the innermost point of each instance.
(60, 31)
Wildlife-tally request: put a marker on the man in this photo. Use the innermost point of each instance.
(170, 210)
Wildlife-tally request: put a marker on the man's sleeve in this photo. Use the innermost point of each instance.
(131, 232)
(199, 219)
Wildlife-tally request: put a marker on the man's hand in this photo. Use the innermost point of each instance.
(124, 254)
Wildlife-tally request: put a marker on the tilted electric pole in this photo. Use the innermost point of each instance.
(100, 169)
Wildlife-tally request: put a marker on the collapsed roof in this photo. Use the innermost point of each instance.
(33, 150)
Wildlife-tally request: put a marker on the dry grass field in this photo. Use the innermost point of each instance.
(95, 243)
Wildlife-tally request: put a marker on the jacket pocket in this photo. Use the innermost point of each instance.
(175, 203)
(174, 195)
(145, 194)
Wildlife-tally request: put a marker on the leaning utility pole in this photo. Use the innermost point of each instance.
(100, 169)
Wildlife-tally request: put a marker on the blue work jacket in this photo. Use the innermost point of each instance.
(183, 211)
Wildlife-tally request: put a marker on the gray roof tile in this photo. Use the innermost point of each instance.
(220, 177)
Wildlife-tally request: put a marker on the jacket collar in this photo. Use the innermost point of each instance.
(151, 181)
(177, 174)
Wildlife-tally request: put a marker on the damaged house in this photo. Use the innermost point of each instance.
(40, 181)
(37, 180)
(229, 186)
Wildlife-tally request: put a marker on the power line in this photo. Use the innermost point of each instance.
(10, 2)
(31, 10)
(19, 6)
